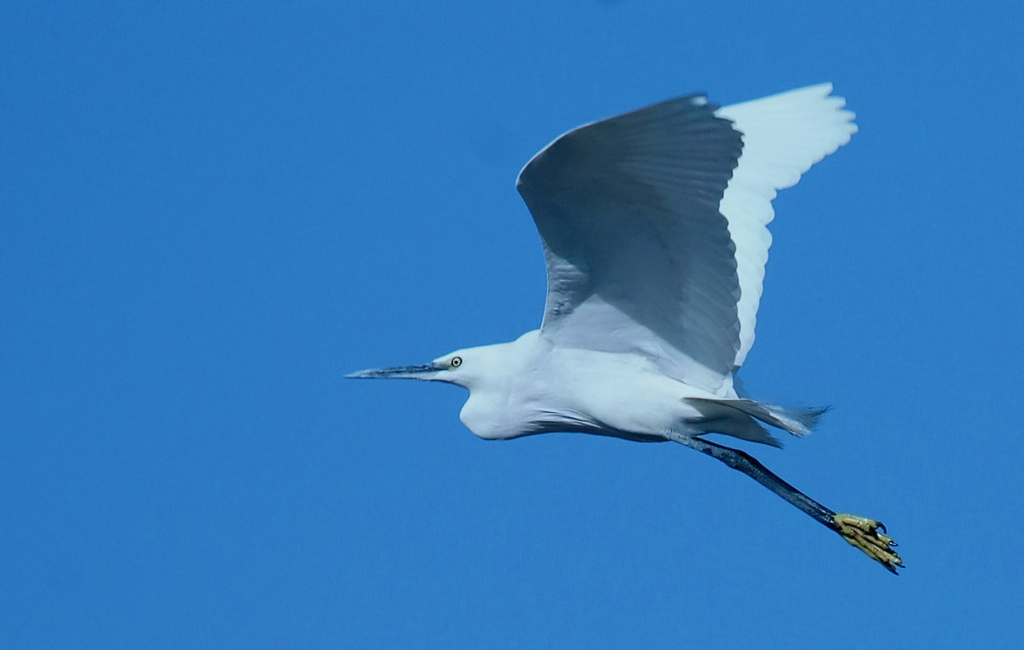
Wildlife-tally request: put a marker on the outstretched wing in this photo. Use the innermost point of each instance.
(654, 229)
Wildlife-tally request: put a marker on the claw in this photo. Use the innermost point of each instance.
(863, 533)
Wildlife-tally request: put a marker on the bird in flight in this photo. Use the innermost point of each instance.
(654, 226)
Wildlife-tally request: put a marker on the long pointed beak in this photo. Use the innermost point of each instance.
(401, 372)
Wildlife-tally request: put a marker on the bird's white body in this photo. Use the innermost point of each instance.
(531, 386)
(545, 388)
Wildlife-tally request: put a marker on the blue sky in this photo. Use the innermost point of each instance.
(209, 215)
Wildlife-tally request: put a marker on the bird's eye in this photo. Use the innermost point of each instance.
(455, 362)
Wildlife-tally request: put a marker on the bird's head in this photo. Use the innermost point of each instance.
(465, 368)
(487, 372)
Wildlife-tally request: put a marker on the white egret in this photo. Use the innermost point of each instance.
(654, 225)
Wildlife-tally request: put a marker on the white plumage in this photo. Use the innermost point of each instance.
(783, 135)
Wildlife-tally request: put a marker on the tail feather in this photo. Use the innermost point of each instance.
(797, 421)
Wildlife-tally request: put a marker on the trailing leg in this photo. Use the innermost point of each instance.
(858, 531)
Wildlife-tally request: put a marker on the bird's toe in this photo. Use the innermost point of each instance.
(864, 534)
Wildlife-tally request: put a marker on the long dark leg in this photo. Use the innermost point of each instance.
(859, 531)
(753, 468)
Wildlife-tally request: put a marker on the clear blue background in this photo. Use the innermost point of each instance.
(209, 215)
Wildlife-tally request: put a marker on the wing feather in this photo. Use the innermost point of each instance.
(654, 224)
(783, 135)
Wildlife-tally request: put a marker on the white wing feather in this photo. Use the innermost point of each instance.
(783, 135)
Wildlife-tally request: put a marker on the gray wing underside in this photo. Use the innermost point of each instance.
(639, 258)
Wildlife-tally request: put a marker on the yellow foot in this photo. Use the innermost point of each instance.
(863, 533)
